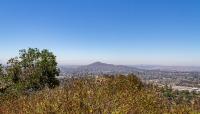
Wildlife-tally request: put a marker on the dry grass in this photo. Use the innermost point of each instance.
(102, 95)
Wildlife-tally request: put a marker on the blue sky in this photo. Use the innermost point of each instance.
(164, 32)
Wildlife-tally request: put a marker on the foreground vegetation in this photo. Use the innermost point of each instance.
(28, 85)
(31, 70)
(102, 95)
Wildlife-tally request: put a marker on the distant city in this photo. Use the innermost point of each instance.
(177, 77)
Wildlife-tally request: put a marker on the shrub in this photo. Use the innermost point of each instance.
(96, 95)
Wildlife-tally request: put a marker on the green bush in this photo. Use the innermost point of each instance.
(31, 70)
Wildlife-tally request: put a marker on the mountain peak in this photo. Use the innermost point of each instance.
(98, 63)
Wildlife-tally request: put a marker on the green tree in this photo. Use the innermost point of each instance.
(35, 68)
(30, 70)
(14, 69)
(48, 67)
(1, 70)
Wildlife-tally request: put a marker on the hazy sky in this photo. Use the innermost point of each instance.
(165, 32)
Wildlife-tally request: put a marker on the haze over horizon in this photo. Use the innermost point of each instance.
(124, 32)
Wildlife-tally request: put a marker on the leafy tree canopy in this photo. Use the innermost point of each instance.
(34, 68)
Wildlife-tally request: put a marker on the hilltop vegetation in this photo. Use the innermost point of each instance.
(28, 85)
(101, 95)
(32, 70)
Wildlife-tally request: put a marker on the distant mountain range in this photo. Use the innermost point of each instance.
(169, 68)
(107, 68)
(172, 75)
(99, 67)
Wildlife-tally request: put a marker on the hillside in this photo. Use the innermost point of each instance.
(29, 84)
(158, 75)
(100, 68)
(104, 94)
